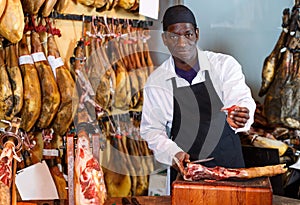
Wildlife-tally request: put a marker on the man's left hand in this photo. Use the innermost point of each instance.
(237, 116)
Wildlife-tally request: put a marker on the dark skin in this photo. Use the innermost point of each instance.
(181, 40)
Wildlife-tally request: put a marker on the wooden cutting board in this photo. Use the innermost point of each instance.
(208, 192)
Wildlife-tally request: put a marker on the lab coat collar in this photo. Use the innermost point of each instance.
(202, 59)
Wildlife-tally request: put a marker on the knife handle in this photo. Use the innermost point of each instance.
(135, 201)
(125, 201)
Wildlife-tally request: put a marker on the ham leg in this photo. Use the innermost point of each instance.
(134, 83)
(12, 21)
(67, 89)
(89, 180)
(31, 86)
(6, 94)
(50, 92)
(194, 172)
(16, 80)
(32, 7)
(10, 143)
(271, 62)
(106, 85)
(48, 7)
(2, 6)
(6, 159)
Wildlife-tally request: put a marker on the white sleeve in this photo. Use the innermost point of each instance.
(236, 91)
(157, 112)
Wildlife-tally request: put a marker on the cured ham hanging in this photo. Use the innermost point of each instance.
(105, 84)
(89, 179)
(50, 92)
(6, 93)
(280, 83)
(10, 140)
(271, 62)
(15, 78)
(30, 111)
(2, 6)
(67, 89)
(12, 21)
(39, 87)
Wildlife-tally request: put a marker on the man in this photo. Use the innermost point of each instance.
(183, 98)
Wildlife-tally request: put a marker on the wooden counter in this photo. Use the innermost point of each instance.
(159, 200)
(143, 200)
(166, 200)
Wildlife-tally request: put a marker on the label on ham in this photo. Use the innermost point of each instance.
(39, 56)
(59, 62)
(50, 152)
(55, 63)
(26, 59)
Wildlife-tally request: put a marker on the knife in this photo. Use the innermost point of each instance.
(201, 160)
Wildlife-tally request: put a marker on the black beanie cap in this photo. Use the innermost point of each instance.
(178, 14)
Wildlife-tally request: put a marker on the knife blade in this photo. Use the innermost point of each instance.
(201, 160)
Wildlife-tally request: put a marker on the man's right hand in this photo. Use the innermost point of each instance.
(183, 158)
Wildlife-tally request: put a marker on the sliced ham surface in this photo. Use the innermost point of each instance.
(89, 179)
(194, 172)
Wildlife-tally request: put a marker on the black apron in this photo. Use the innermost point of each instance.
(201, 129)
